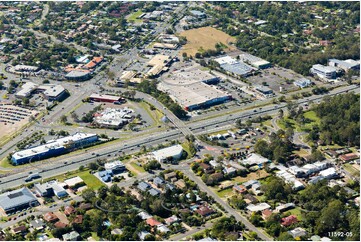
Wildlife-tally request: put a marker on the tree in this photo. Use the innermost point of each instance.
(262, 147)
(111, 75)
(75, 116)
(102, 192)
(63, 119)
(280, 113)
(276, 188)
(1, 85)
(331, 219)
(88, 194)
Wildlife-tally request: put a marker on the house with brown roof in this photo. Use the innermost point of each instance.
(60, 225)
(266, 214)
(287, 221)
(78, 219)
(170, 175)
(152, 222)
(180, 184)
(19, 230)
(50, 217)
(216, 176)
(249, 198)
(348, 157)
(85, 206)
(68, 210)
(206, 168)
(204, 211)
(239, 189)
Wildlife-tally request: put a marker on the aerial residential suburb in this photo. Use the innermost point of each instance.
(179, 121)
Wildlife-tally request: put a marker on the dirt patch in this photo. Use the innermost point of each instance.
(206, 38)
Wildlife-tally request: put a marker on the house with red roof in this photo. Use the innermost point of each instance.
(287, 221)
(152, 222)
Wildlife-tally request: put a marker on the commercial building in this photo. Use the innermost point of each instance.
(191, 91)
(166, 46)
(264, 91)
(78, 75)
(115, 166)
(114, 117)
(25, 68)
(105, 98)
(345, 65)
(302, 83)
(234, 67)
(197, 14)
(16, 200)
(166, 38)
(53, 148)
(49, 91)
(49, 189)
(168, 154)
(159, 63)
(195, 96)
(254, 61)
(322, 71)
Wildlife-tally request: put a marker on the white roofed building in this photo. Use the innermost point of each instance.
(52, 148)
(171, 153)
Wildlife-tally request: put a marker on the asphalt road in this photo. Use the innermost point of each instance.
(57, 165)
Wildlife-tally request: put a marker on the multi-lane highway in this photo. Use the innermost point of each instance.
(57, 166)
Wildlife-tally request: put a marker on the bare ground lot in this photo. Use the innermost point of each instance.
(206, 38)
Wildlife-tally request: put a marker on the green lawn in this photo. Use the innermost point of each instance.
(90, 180)
(225, 193)
(134, 16)
(95, 236)
(296, 211)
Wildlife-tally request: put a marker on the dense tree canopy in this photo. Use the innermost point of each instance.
(340, 119)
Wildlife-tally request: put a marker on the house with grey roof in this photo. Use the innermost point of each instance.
(158, 181)
(248, 184)
(37, 224)
(16, 200)
(154, 192)
(143, 186)
(72, 236)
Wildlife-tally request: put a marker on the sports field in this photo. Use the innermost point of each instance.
(205, 38)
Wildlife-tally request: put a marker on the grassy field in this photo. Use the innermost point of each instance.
(90, 180)
(205, 38)
(311, 115)
(352, 170)
(251, 176)
(134, 16)
(136, 168)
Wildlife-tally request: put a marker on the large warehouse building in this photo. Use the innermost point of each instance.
(190, 89)
(53, 148)
(16, 200)
(50, 92)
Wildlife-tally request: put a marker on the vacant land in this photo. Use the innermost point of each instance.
(134, 16)
(251, 176)
(205, 38)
